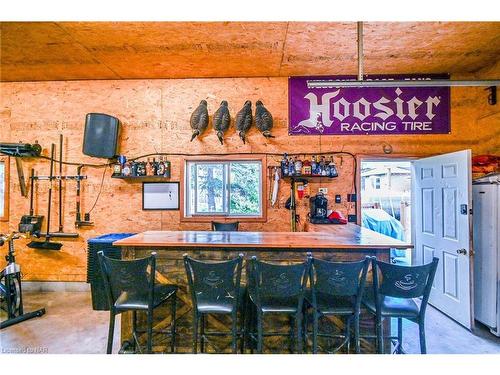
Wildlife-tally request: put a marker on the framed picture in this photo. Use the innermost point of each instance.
(160, 196)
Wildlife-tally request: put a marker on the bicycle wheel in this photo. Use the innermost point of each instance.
(15, 297)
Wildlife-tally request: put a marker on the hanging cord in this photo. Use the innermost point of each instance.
(76, 164)
(100, 189)
(270, 154)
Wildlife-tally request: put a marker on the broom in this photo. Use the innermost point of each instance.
(47, 245)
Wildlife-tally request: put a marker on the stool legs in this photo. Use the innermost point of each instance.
(260, 338)
(111, 331)
(356, 333)
(150, 331)
(348, 333)
(400, 336)
(173, 328)
(298, 324)
(202, 333)
(380, 334)
(195, 331)
(421, 331)
(315, 332)
(234, 332)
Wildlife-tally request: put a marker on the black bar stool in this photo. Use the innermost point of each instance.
(393, 297)
(130, 286)
(225, 227)
(215, 289)
(277, 289)
(336, 290)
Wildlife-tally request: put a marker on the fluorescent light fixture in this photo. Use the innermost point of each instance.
(325, 84)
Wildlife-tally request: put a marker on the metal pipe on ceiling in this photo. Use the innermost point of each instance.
(360, 50)
(318, 83)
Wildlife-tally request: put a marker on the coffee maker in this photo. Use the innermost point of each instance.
(319, 209)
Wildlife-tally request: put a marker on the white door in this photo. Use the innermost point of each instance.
(442, 194)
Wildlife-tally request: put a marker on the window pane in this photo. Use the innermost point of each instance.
(210, 188)
(245, 188)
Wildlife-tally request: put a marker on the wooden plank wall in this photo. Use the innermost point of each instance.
(155, 116)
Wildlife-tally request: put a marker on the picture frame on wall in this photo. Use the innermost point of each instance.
(160, 196)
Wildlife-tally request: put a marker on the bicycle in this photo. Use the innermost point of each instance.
(11, 298)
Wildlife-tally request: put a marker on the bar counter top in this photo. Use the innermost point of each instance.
(350, 236)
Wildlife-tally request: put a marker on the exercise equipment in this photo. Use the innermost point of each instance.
(11, 297)
(47, 245)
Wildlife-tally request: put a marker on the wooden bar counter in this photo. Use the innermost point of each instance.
(330, 242)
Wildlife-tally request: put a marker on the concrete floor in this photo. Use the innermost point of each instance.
(71, 326)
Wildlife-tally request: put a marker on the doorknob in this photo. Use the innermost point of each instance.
(462, 251)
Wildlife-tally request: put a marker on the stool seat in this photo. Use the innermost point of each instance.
(273, 304)
(139, 301)
(224, 305)
(391, 306)
(328, 304)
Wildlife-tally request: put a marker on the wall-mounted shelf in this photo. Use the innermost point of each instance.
(142, 178)
(308, 177)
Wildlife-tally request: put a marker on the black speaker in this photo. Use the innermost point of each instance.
(101, 135)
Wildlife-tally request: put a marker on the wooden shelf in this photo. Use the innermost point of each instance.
(142, 178)
(308, 177)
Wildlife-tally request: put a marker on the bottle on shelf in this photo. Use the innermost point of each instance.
(306, 167)
(166, 173)
(117, 169)
(155, 167)
(314, 166)
(160, 170)
(332, 169)
(140, 169)
(322, 166)
(291, 167)
(127, 169)
(149, 167)
(284, 165)
(298, 166)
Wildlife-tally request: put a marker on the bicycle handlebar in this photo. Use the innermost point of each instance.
(10, 237)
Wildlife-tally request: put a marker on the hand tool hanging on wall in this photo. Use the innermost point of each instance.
(47, 245)
(31, 223)
(60, 232)
(276, 184)
(20, 174)
(19, 150)
(79, 222)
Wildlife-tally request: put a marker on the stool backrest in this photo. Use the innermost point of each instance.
(214, 281)
(339, 278)
(135, 276)
(403, 281)
(225, 227)
(278, 280)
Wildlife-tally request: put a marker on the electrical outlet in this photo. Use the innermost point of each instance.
(352, 218)
(351, 197)
(323, 190)
(338, 198)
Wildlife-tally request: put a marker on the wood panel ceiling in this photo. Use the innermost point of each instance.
(127, 50)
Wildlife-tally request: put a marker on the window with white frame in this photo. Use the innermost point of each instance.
(231, 188)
